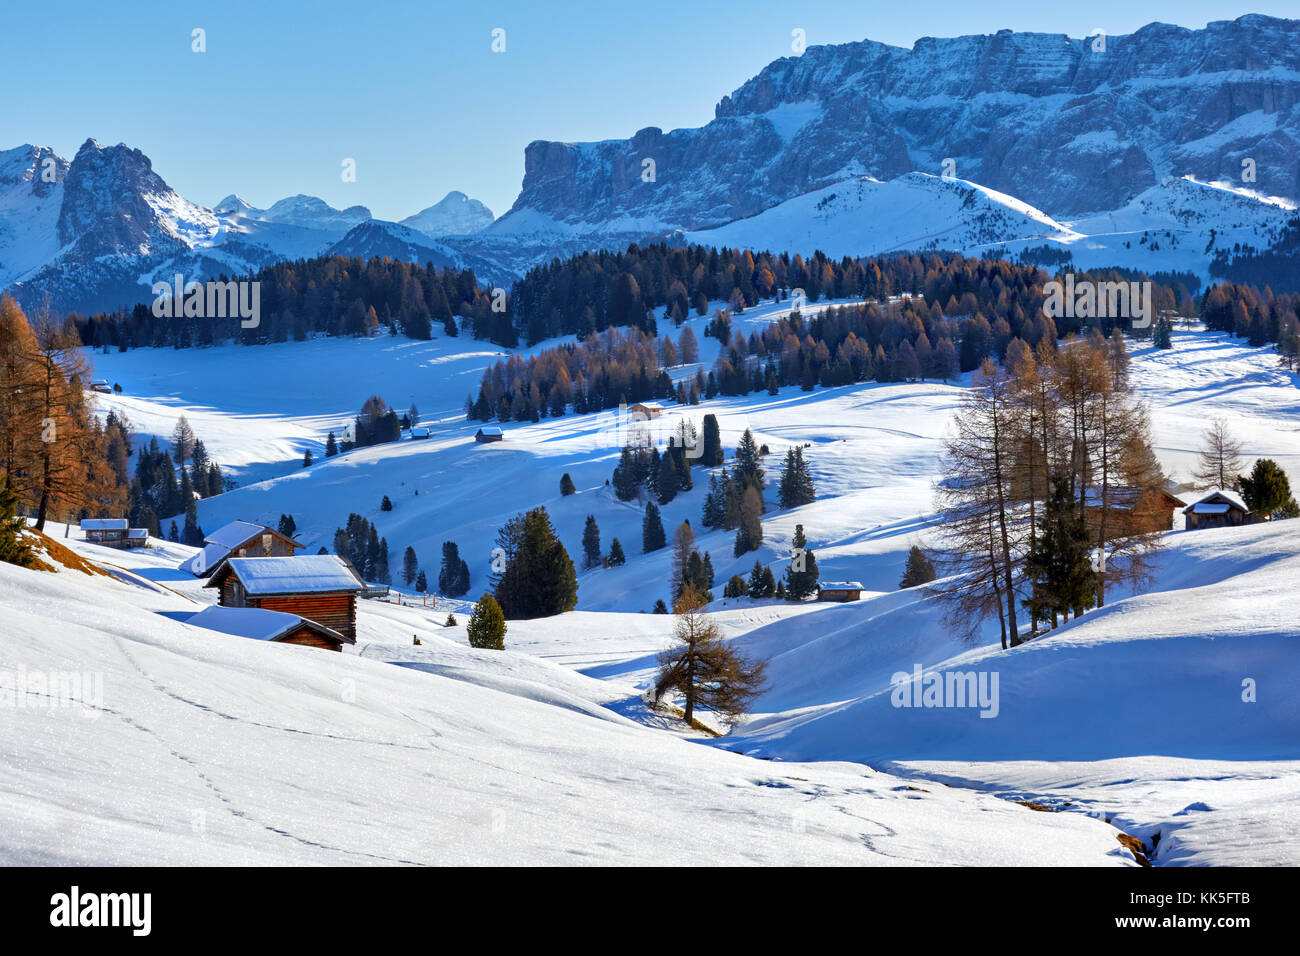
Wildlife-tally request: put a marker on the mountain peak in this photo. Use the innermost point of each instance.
(453, 215)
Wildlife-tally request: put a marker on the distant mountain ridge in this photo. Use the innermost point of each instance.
(1065, 127)
(1132, 153)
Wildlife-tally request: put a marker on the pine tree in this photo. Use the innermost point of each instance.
(14, 547)
(287, 526)
(410, 566)
(625, 480)
(590, 543)
(616, 556)
(796, 485)
(919, 569)
(421, 583)
(453, 575)
(538, 579)
(306, 459)
(801, 574)
(749, 530)
(748, 471)
(736, 587)
(386, 504)
(331, 446)
(1059, 565)
(667, 481)
(487, 625)
(173, 535)
(566, 485)
(1266, 490)
(652, 529)
(660, 607)
(712, 452)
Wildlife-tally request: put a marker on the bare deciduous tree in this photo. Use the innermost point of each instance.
(1220, 461)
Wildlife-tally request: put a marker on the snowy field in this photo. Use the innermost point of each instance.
(546, 752)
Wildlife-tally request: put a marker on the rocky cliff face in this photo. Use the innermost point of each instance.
(1065, 126)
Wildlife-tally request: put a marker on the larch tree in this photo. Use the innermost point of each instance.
(1219, 461)
(703, 667)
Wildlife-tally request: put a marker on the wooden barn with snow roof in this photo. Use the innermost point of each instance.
(1218, 509)
(239, 539)
(322, 588)
(277, 627)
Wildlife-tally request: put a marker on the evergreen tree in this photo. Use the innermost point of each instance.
(287, 526)
(652, 529)
(421, 583)
(714, 504)
(749, 531)
(748, 471)
(660, 607)
(736, 587)
(712, 452)
(801, 575)
(590, 543)
(616, 556)
(453, 575)
(538, 579)
(487, 625)
(14, 546)
(306, 459)
(667, 481)
(331, 446)
(1059, 565)
(919, 570)
(625, 480)
(173, 535)
(1267, 491)
(410, 566)
(796, 485)
(566, 485)
(386, 504)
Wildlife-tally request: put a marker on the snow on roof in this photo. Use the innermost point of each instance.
(315, 573)
(205, 559)
(1231, 497)
(419, 432)
(840, 585)
(1202, 508)
(104, 524)
(251, 622)
(135, 533)
(490, 430)
(234, 534)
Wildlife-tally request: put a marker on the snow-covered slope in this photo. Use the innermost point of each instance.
(863, 216)
(188, 746)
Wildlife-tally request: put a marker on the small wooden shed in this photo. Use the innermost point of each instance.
(108, 531)
(646, 410)
(319, 587)
(841, 591)
(489, 433)
(275, 626)
(1218, 509)
(240, 539)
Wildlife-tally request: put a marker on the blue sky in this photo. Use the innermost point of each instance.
(413, 92)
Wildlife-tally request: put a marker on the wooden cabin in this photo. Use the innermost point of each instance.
(107, 531)
(646, 410)
(276, 627)
(418, 434)
(136, 538)
(322, 588)
(489, 433)
(1132, 510)
(1218, 509)
(840, 591)
(240, 539)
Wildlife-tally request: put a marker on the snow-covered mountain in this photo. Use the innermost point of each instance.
(453, 215)
(1067, 125)
(94, 234)
(1130, 152)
